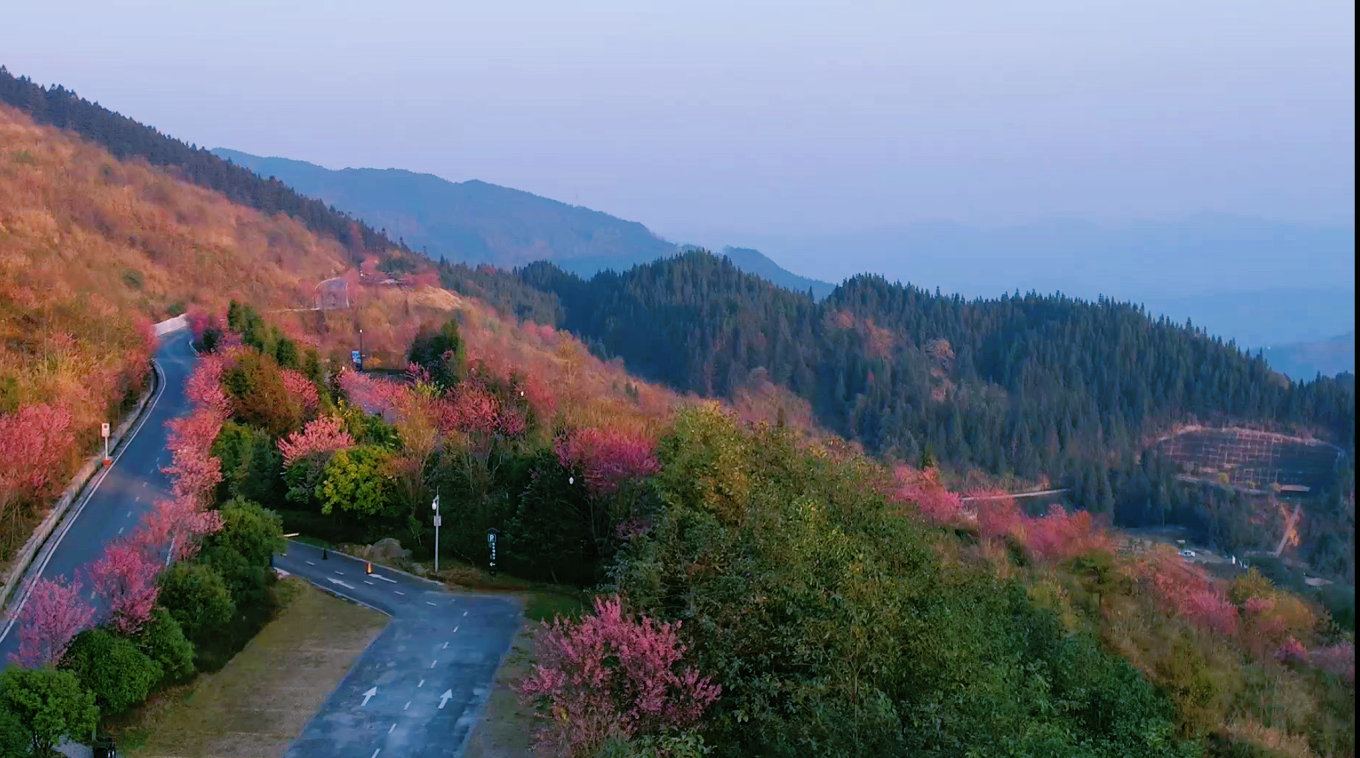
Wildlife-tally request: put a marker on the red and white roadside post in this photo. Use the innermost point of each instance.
(104, 432)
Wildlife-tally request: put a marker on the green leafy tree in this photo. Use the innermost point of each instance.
(255, 532)
(197, 598)
(51, 705)
(113, 668)
(164, 642)
(442, 353)
(358, 480)
(15, 739)
(259, 396)
(251, 464)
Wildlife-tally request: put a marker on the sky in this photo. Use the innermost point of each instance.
(704, 118)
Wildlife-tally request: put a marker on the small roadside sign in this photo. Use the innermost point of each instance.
(438, 520)
(104, 431)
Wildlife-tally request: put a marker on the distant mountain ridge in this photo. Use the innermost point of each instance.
(470, 221)
(1304, 361)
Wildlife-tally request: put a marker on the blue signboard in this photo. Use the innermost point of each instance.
(358, 361)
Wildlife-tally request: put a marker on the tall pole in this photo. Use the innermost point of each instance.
(436, 530)
(361, 347)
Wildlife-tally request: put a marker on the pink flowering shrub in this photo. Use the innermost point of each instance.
(53, 615)
(125, 578)
(301, 389)
(324, 435)
(607, 458)
(1185, 590)
(609, 675)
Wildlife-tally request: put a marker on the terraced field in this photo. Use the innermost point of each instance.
(1253, 460)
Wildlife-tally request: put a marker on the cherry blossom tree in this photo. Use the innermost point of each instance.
(924, 489)
(125, 578)
(35, 441)
(204, 389)
(610, 675)
(301, 389)
(180, 522)
(372, 395)
(193, 469)
(323, 435)
(607, 458)
(53, 615)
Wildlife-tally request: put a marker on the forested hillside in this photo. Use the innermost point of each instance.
(125, 138)
(1024, 383)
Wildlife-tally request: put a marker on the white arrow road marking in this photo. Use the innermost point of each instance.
(444, 698)
(371, 692)
(385, 579)
(342, 584)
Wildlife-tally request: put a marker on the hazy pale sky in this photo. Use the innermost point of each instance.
(758, 117)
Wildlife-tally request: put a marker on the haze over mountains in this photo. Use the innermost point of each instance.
(1282, 286)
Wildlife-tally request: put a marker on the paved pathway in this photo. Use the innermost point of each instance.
(114, 504)
(421, 685)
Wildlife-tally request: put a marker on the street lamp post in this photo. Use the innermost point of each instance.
(435, 507)
(361, 348)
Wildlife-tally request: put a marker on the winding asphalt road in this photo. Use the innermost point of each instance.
(420, 686)
(113, 505)
(430, 669)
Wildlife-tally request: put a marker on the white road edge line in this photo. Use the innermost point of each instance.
(80, 507)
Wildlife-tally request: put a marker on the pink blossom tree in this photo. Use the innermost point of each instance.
(125, 578)
(193, 469)
(179, 522)
(301, 389)
(53, 615)
(610, 675)
(924, 490)
(35, 441)
(372, 395)
(322, 435)
(204, 389)
(607, 459)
